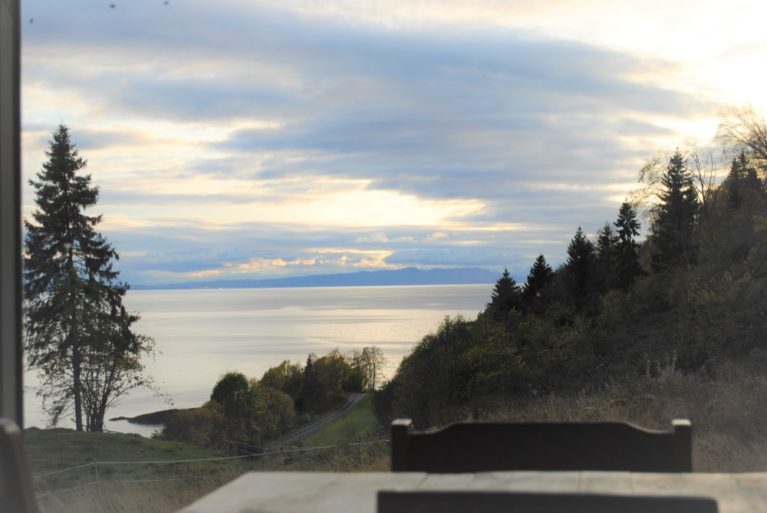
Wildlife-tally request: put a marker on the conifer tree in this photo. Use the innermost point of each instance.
(733, 184)
(77, 333)
(742, 181)
(539, 277)
(607, 257)
(311, 393)
(579, 269)
(675, 217)
(627, 267)
(506, 295)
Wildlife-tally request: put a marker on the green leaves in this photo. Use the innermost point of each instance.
(77, 332)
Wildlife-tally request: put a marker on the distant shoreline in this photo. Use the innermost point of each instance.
(408, 277)
(154, 418)
(171, 288)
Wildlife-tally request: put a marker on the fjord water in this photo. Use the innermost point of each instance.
(202, 333)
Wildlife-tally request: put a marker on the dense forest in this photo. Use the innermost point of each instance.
(689, 296)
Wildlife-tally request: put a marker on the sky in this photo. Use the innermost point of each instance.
(256, 139)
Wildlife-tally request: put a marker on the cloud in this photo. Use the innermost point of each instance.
(275, 130)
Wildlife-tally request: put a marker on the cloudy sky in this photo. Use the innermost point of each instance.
(247, 138)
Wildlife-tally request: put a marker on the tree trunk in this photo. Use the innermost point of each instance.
(76, 385)
(74, 339)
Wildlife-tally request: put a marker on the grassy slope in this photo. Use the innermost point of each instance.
(359, 425)
(164, 488)
(727, 406)
(53, 449)
(106, 487)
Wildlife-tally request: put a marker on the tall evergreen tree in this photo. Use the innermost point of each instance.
(675, 217)
(627, 267)
(538, 278)
(579, 269)
(733, 184)
(607, 257)
(742, 181)
(77, 333)
(311, 393)
(506, 295)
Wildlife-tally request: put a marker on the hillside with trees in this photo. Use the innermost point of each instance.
(690, 298)
(243, 414)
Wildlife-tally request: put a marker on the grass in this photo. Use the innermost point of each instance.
(359, 425)
(94, 483)
(368, 452)
(726, 403)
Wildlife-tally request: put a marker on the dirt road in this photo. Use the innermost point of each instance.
(314, 426)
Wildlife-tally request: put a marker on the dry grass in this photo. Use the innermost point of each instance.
(727, 404)
(167, 495)
(152, 488)
(127, 497)
(361, 458)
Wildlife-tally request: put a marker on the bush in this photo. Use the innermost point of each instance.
(194, 426)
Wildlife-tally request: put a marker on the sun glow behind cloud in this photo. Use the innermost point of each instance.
(245, 137)
(214, 204)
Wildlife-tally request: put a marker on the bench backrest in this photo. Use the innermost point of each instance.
(489, 446)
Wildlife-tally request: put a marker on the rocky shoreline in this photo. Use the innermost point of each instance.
(154, 418)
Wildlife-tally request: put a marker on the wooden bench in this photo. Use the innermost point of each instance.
(492, 446)
(16, 495)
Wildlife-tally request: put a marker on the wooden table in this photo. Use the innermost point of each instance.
(321, 492)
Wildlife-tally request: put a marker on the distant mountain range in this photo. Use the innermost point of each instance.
(407, 276)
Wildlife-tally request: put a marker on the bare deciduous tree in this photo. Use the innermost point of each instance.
(745, 129)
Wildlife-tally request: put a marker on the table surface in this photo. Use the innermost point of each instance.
(320, 492)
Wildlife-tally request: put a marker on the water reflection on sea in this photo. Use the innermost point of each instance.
(202, 333)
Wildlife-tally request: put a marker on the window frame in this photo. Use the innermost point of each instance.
(11, 356)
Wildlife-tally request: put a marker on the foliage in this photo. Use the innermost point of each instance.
(579, 270)
(506, 295)
(327, 380)
(243, 414)
(537, 281)
(288, 377)
(231, 392)
(606, 252)
(194, 426)
(628, 267)
(695, 289)
(78, 335)
(675, 217)
(369, 361)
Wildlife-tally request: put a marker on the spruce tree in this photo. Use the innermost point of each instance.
(607, 257)
(310, 399)
(627, 267)
(77, 333)
(579, 269)
(538, 278)
(733, 184)
(506, 295)
(742, 182)
(675, 217)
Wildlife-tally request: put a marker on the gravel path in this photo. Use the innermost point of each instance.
(314, 426)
